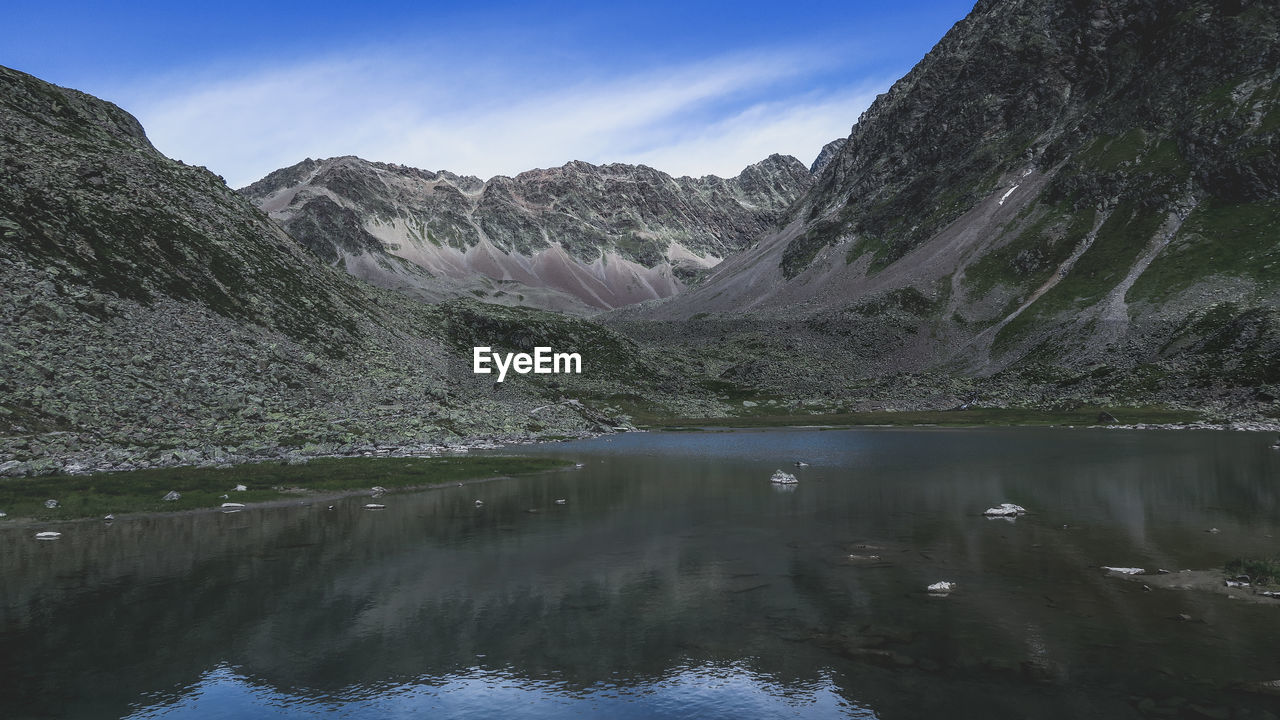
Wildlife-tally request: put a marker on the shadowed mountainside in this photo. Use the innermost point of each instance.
(1084, 194)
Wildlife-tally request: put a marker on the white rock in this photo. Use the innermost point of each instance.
(4, 514)
(378, 490)
(783, 478)
(1124, 570)
(173, 495)
(48, 535)
(232, 505)
(1005, 510)
(942, 587)
(240, 488)
(561, 502)
(109, 518)
(374, 506)
(51, 504)
(479, 503)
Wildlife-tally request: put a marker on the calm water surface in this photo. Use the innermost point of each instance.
(675, 581)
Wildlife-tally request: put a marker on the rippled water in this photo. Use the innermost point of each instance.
(675, 581)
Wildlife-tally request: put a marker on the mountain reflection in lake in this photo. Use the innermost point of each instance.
(675, 581)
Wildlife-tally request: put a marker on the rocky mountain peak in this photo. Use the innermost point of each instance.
(828, 152)
(577, 237)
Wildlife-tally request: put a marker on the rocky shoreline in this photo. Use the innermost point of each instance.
(101, 460)
(123, 461)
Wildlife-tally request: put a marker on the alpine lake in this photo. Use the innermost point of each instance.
(675, 580)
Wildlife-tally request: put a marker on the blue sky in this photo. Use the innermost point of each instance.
(481, 88)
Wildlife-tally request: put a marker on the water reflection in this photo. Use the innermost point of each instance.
(675, 580)
(717, 691)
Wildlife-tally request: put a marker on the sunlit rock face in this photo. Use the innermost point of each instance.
(579, 237)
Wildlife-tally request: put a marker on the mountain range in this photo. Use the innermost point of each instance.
(578, 238)
(1063, 204)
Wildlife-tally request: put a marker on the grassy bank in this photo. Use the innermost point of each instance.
(1261, 571)
(81, 496)
(949, 418)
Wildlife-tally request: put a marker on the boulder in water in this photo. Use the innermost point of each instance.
(1005, 510)
(783, 478)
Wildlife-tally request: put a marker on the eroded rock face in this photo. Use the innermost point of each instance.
(579, 237)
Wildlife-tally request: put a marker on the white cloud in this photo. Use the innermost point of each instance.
(711, 116)
(799, 127)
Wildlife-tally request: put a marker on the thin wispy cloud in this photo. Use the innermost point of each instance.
(799, 127)
(695, 117)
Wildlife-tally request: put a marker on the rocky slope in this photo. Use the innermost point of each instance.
(576, 238)
(150, 315)
(1064, 203)
(1083, 194)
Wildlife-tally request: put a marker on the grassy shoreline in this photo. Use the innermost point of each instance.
(143, 491)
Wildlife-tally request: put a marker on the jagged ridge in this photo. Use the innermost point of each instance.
(576, 237)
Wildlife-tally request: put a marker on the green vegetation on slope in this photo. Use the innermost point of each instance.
(1030, 259)
(1117, 246)
(1217, 239)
